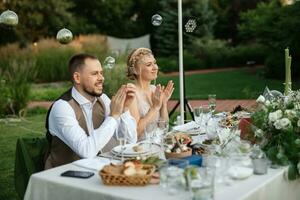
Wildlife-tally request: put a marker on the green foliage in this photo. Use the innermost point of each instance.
(4, 97)
(39, 18)
(114, 78)
(18, 74)
(9, 133)
(274, 26)
(227, 85)
(212, 53)
(167, 64)
(117, 18)
(48, 92)
(277, 121)
(228, 17)
(52, 64)
(166, 36)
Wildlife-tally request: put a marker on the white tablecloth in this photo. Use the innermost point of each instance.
(49, 185)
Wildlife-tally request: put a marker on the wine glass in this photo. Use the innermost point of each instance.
(198, 114)
(121, 137)
(150, 133)
(212, 102)
(162, 129)
(162, 126)
(202, 116)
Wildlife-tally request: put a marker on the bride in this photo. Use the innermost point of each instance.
(150, 104)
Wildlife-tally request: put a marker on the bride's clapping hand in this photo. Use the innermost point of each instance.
(167, 92)
(157, 97)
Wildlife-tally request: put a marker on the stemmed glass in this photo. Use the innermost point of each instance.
(162, 129)
(212, 103)
(202, 115)
(121, 137)
(150, 133)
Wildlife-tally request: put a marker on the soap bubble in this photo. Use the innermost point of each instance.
(156, 20)
(9, 18)
(109, 62)
(64, 36)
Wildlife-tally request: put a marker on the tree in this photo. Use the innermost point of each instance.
(277, 27)
(39, 19)
(228, 12)
(166, 35)
(119, 18)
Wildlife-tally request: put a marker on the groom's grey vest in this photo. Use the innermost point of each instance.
(60, 153)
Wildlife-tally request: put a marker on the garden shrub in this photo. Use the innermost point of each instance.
(167, 64)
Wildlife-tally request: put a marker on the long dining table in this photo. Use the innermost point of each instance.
(50, 185)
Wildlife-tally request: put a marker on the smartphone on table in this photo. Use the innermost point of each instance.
(77, 174)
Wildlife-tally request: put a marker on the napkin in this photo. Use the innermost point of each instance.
(186, 127)
(92, 163)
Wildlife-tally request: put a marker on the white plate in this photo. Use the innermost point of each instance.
(240, 173)
(129, 149)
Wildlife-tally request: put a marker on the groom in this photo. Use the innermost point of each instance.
(83, 120)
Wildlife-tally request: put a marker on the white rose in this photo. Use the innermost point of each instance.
(268, 103)
(258, 133)
(273, 116)
(277, 125)
(298, 95)
(297, 105)
(290, 113)
(260, 99)
(282, 123)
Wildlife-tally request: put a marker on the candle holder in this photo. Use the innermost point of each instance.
(259, 160)
(260, 166)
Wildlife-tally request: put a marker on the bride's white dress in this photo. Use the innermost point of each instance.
(143, 103)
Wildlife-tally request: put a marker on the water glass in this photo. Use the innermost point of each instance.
(202, 183)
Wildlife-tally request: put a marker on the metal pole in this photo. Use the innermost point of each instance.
(181, 88)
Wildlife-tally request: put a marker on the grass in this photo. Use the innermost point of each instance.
(48, 92)
(32, 126)
(237, 84)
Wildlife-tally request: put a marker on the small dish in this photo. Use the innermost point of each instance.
(184, 154)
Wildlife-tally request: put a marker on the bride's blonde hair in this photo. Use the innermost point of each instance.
(133, 58)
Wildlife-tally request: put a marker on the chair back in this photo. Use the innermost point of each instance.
(29, 159)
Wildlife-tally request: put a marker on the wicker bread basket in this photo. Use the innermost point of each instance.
(113, 175)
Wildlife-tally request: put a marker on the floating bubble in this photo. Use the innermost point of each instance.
(190, 26)
(9, 18)
(64, 36)
(156, 20)
(109, 62)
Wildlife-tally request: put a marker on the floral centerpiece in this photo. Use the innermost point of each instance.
(277, 130)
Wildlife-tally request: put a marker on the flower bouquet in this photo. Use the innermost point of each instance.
(277, 130)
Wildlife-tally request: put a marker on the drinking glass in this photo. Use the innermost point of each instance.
(202, 116)
(202, 183)
(150, 133)
(121, 137)
(212, 102)
(198, 111)
(162, 127)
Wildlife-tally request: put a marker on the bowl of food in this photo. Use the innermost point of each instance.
(177, 145)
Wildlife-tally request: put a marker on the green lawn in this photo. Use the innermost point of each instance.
(9, 133)
(238, 84)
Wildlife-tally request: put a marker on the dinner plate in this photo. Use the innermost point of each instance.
(129, 151)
